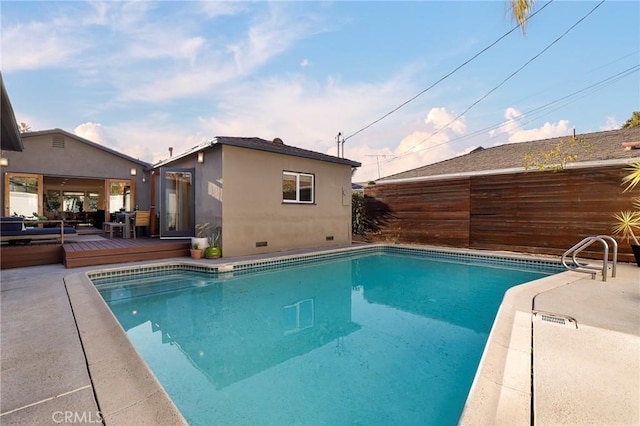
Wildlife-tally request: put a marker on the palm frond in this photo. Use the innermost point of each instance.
(628, 222)
(633, 178)
(521, 10)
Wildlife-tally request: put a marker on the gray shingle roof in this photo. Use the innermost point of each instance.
(265, 145)
(604, 146)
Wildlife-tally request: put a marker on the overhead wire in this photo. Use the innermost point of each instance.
(587, 91)
(408, 151)
(540, 110)
(447, 75)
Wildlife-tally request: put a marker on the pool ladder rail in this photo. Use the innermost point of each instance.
(581, 266)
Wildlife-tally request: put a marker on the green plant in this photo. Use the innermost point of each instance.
(215, 236)
(202, 230)
(628, 222)
(358, 214)
(556, 159)
(194, 246)
(53, 204)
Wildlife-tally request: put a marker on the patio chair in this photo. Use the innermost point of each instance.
(142, 218)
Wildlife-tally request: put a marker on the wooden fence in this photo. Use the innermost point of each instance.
(534, 212)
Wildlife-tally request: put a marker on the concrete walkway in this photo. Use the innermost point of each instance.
(587, 370)
(44, 374)
(586, 375)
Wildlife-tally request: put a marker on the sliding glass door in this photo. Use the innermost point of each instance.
(177, 201)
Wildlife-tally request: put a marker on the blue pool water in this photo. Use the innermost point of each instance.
(372, 339)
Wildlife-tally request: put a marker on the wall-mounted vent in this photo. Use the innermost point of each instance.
(329, 238)
(261, 244)
(57, 141)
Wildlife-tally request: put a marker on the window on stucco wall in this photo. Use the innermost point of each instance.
(298, 187)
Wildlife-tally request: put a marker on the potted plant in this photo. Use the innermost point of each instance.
(628, 222)
(202, 236)
(213, 251)
(196, 252)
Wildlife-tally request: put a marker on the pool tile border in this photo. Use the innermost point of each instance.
(511, 260)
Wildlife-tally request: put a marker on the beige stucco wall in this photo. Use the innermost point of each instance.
(253, 211)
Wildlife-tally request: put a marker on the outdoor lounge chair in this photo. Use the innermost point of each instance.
(13, 230)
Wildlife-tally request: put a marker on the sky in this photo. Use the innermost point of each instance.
(405, 84)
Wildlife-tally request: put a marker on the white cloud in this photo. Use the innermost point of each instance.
(304, 112)
(38, 45)
(214, 9)
(268, 37)
(511, 124)
(611, 124)
(547, 130)
(419, 148)
(305, 63)
(96, 133)
(513, 127)
(145, 140)
(440, 117)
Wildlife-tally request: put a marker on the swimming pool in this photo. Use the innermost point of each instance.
(371, 337)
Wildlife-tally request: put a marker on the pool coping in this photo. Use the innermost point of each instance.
(128, 392)
(501, 392)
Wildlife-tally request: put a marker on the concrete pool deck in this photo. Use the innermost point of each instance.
(589, 374)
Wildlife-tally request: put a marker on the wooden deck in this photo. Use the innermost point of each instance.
(78, 253)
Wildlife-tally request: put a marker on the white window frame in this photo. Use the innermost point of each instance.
(301, 323)
(297, 175)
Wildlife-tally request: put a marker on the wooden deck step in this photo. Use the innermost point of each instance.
(21, 256)
(109, 251)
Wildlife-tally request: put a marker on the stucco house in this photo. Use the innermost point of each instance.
(265, 195)
(63, 176)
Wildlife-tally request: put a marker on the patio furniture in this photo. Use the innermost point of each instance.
(123, 222)
(141, 218)
(110, 226)
(14, 231)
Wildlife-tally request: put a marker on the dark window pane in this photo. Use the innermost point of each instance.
(306, 188)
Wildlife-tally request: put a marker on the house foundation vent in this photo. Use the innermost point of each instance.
(261, 244)
(329, 238)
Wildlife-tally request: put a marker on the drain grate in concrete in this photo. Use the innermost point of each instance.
(558, 319)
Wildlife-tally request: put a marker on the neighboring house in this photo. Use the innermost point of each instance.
(63, 176)
(487, 200)
(265, 195)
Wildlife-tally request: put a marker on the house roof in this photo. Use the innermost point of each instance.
(10, 139)
(263, 145)
(604, 147)
(86, 141)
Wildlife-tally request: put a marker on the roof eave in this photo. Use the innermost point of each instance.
(11, 139)
(276, 150)
(576, 165)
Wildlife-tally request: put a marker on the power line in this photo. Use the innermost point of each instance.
(503, 81)
(447, 75)
(570, 98)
